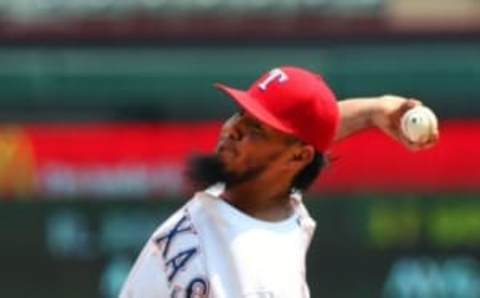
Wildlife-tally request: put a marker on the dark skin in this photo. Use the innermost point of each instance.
(246, 145)
(270, 159)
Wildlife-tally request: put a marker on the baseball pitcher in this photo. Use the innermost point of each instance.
(246, 235)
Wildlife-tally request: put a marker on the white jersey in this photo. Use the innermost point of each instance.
(210, 249)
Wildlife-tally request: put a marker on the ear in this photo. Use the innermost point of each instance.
(301, 156)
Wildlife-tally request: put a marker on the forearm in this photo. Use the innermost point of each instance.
(382, 112)
(356, 114)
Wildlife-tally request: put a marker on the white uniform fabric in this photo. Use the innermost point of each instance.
(210, 249)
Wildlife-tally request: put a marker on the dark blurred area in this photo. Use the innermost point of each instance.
(103, 101)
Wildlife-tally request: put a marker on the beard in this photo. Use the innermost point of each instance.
(206, 170)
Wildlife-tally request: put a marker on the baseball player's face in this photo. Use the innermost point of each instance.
(247, 148)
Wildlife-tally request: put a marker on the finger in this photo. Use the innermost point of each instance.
(416, 146)
(404, 108)
(412, 146)
(434, 139)
(414, 102)
(431, 142)
(410, 104)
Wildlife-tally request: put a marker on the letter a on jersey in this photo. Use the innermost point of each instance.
(179, 261)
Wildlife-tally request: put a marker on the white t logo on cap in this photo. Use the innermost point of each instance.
(275, 75)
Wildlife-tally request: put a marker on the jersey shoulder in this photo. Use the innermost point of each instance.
(172, 258)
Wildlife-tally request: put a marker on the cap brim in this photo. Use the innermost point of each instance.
(253, 107)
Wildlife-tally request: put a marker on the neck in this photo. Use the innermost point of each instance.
(265, 203)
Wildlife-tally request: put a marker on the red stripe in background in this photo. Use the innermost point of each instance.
(115, 160)
(371, 161)
(121, 143)
(368, 161)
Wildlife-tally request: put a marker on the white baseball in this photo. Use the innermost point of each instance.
(418, 124)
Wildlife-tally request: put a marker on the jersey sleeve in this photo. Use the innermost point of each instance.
(171, 263)
(147, 278)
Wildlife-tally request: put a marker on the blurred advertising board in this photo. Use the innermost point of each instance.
(147, 19)
(100, 159)
(26, 10)
(140, 159)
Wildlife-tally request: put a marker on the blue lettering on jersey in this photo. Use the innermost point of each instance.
(197, 288)
(182, 226)
(176, 261)
(179, 261)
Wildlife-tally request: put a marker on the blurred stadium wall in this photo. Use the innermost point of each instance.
(103, 101)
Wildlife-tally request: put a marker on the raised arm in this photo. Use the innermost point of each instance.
(383, 112)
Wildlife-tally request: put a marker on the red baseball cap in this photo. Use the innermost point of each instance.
(294, 101)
